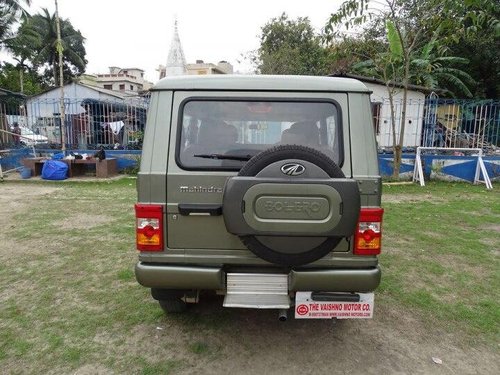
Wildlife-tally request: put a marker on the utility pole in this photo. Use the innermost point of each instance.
(61, 81)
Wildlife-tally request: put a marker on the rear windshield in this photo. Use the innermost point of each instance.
(224, 134)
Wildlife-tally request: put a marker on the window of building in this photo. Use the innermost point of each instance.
(122, 87)
(108, 87)
(131, 87)
(376, 109)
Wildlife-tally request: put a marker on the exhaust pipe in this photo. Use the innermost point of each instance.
(282, 315)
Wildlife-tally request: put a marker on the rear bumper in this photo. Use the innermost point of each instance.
(335, 280)
(179, 277)
(165, 276)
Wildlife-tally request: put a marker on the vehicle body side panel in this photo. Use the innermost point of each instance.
(152, 176)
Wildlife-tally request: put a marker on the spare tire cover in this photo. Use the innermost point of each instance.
(290, 250)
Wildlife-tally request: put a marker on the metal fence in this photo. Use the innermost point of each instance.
(462, 124)
(435, 122)
(89, 123)
(92, 123)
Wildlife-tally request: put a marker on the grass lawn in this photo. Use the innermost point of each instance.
(441, 249)
(69, 300)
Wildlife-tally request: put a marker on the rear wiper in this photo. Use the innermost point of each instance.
(224, 157)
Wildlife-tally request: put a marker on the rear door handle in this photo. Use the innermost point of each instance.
(187, 209)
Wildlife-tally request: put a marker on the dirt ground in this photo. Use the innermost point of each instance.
(394, 342)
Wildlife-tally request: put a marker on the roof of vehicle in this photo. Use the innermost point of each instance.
(260, 83)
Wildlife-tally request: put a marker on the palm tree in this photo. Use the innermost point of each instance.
(72, 43)
(11, 12)
(23, 46)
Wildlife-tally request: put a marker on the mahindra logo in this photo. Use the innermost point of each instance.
(293, 169)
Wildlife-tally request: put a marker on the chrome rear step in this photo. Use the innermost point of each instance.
(257, 291)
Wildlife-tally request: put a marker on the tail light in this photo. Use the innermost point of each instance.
(368, 236)
(149, 227)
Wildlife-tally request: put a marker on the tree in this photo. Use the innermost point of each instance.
(410, 25)
(477, 40)
(426, 69)
(347, 52)
(405, 34)
(290, 47)
(23, 47)
(470, 29)
(387, 66)
(483, 64)
(11, 12)
(434, 71)
(10, 79)
(464, 19)
(429, 68)
(74, 61)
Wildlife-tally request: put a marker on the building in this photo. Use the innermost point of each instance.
(200, 68)
(382, 118)
(176, 62)
(129, 81)
(88, 110)
(4, 93)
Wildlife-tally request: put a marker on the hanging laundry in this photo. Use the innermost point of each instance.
(115, 126)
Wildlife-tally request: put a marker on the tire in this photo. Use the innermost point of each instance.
(283, 152)
(276, 154)
(170, 300)
(173, 306)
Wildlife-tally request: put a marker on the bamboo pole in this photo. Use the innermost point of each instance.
(61, 81)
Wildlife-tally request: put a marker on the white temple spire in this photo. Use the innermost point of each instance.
(176, 62)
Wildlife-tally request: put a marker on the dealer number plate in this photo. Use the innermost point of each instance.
(309, 307)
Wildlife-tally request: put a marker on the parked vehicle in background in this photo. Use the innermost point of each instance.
(30, 138)
(265, 189)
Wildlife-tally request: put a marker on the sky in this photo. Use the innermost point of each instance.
(137, 33)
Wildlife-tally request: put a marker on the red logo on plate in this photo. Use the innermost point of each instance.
(302, 309)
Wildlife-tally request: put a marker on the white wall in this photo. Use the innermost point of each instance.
(46, 104)
(414, 115)
(40, 109)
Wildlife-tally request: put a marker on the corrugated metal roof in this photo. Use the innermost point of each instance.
(5, 92)
(104, 91)
(98, 89)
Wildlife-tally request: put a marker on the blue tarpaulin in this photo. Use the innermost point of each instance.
(54, 170)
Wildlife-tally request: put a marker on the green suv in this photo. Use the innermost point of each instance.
(265, 189)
